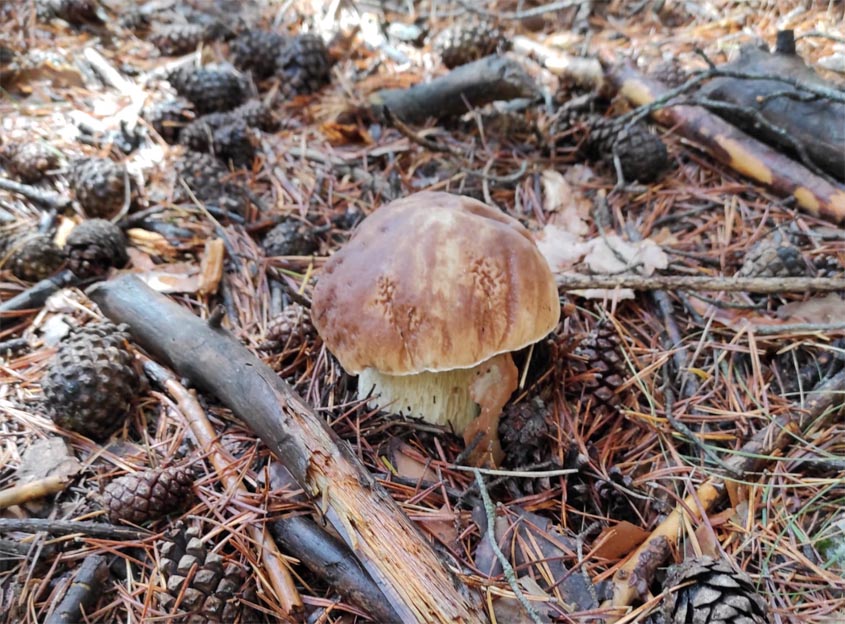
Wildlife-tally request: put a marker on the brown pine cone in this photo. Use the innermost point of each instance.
(211, 89)
(94, 246)
(468, 43)
(710, 591)
(232, 142)
(303, 66)
(169, 117)
(33, 257)
(775, 256)
(291, 237)
(201, 586)
(256, 51)
(290, 329)
(92, 381)
(524, 432)
(76, 12)
(176, 39)
(207, 177)
(100, 186)
(30, 161)
(600, 367)
(149, 495)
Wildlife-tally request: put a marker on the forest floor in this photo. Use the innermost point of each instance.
(636, 403)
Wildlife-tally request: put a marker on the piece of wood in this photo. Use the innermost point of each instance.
(762, 285)
(731, 146)
(416, 582)
(474, 84)
(34, 297)
(816, 123)
(83, 593)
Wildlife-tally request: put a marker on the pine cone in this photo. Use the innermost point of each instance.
(76, 12)
(291, 237)
(94, 246)
(641, 153)
(524, 432)
(670, 73)
(206, 176)
(227, 137)
(149, 495)
(600, 367)
(100, 186)
(30, 161)
(33, 257)
(775, 256)
(464, 44)
(256, 114)
(303, 66)
(210, 89)
(200, 582)
(169, 117)
(828, 265)
(714, 594)
(256, 51)
(176, 39)
(91, 381)
(290, 329)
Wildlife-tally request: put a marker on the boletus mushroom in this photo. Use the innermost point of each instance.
(426, 302)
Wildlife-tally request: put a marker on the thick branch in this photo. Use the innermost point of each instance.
(87, 586)
(413, 578)
(474, 84)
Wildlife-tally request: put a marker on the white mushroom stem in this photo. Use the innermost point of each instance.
(442, 398)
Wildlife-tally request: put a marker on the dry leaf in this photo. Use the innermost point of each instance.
(570, 207)
(49, 457)
(510, 610)
(151, 242)
(561, 249)
(619, 540)
(344, 134)
(409, 463)
(827, 309)
(612, 254)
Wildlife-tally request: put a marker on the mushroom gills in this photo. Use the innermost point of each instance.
(439, 398)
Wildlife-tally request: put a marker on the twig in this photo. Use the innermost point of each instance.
(507, 569)
(82, 593)
(30, 491)
(763, 285)
(797, 328)
(35, 296)
(69, 527)
(473, 7)
(412, 136)
(47, 199)
(522, 474)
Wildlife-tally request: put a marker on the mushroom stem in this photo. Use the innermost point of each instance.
(439, 398)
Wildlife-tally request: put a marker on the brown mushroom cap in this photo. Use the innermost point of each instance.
(434, 282)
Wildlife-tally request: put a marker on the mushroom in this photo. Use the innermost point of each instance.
(426, 302)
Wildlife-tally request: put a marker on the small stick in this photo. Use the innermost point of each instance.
(35, 296)
(83, 592)
(69, 527)
(30, 491)
(46, 199)
(764, 285)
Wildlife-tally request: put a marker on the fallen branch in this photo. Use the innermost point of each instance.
(35, 296)
(69, 527)
(45, 199)
(330, 559)
(729, 145)
(83, 593)
(763, 285)
(823, 405)
(272, 562)
(468, 86)
(415, 581)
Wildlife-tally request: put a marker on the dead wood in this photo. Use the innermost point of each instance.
(69, 527)
(330, 559)
(729, 145)
(474, 84)
(19, 494)
(814, 122)
(414, 579)
(762, 285)
(35, 296)
(45, 199)
(822, 407)
(83, 593)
